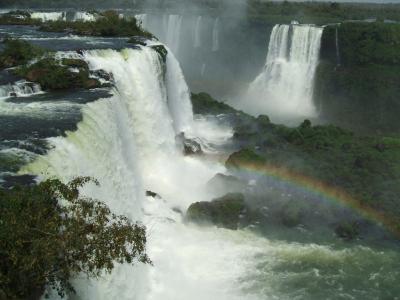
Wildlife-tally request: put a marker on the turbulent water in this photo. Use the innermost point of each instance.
(128, 142)
(284, 89)
(64, 16)
(173, 34)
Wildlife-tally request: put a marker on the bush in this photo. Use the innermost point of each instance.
(18, 52)
(109, 24)
(49, 233)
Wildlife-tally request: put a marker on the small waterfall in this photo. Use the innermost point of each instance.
(173, 35)
(338, 62)
(84, 16)
(142, 19)
(203, 69)
(49, 16)
(20, 89)
(215, 36)
(284, 89)
(197, 33)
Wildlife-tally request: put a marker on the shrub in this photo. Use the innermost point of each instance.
(49, 233)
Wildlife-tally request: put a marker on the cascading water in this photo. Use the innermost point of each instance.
(338, 63)
(173, 35)
(284, 89)
(84, 16)
(49, 16)
(142, 18)
(133, 136)
(20, 89)
(197, 33)
(215, 35)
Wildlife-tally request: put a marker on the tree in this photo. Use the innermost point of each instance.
(49, 233)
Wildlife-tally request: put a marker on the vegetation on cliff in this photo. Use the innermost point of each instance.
(109, 24)
(54, 75)
(365, 167)
(18, 52)
(357, 79)
(49, 233)
(38, 65)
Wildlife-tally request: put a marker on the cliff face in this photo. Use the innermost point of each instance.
(357, 82)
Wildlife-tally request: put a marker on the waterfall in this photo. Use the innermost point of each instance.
(338, 63)
(84, 16)
(49, 16)
(284, 89)
(173, 35)
(142, 19)
(20, 88)
(215, 36)
(128, 144)
(197, 33)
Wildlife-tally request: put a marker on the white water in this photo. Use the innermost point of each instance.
(20, 89)
(173, 35)
(128, 144)
(215, 35)
(284, 89)
(142, 18)
(197, 33)
(49, 16)
(84, 16)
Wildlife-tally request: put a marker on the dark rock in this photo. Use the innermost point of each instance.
(291, 214)
(190, 146)
(380, 147)
(348, 230)
(91, 83)
(152, 194)
(223, 212)
(104, 75)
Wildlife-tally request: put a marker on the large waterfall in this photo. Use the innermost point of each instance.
(173, 34)
(128, 143)
(197, 33)
(284, 89)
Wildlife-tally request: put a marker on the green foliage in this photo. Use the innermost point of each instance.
(53, 75)
(244, 157)
(367, 168)
(203, 103)
(108, 25)
(49, 233)
(18, 52)
(17, 18)
(223, 212)
(362, 92)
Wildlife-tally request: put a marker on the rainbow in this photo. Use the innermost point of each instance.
(323, 189)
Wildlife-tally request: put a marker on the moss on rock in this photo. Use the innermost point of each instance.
(223, 212)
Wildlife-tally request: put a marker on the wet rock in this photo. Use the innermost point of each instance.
(91, 83)
(190, 146)
(225, 212)
(152, 194)
(104, 75)
(380, 147)
(348, 230)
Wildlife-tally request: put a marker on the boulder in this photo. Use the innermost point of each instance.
(223, 212)
(348, 230)
(190, 146)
